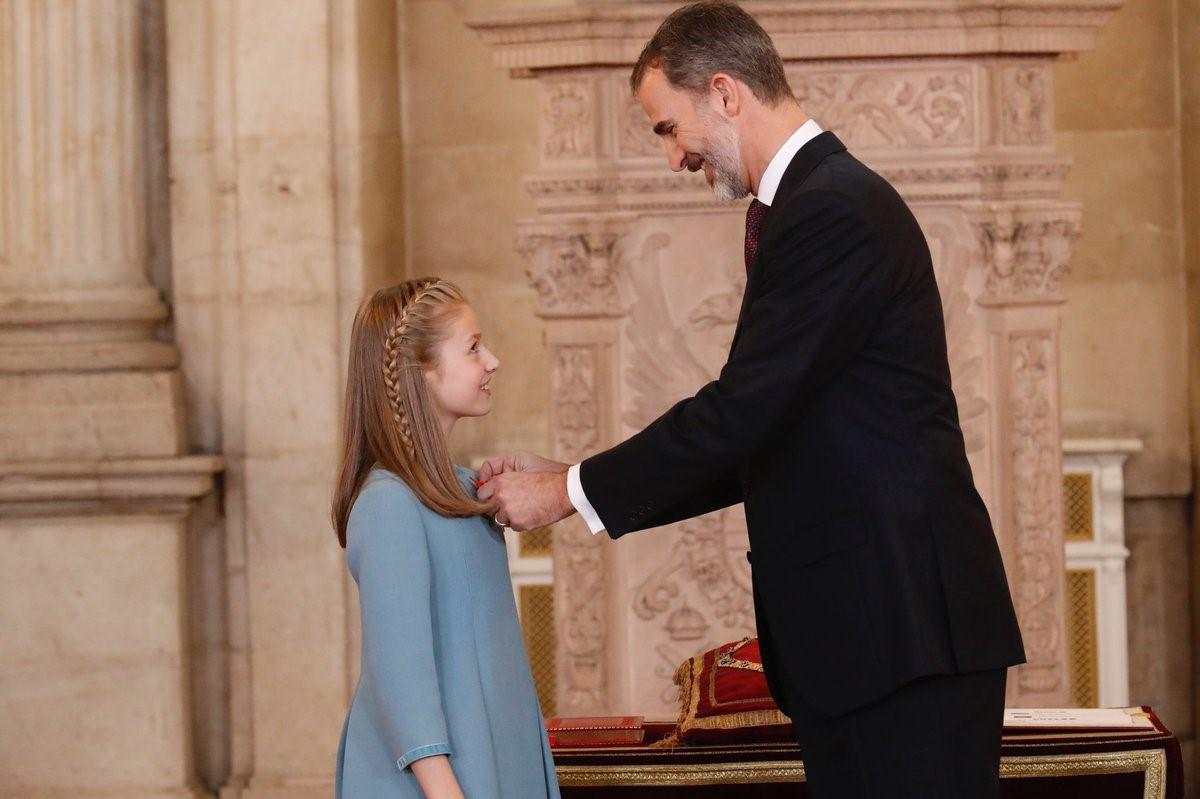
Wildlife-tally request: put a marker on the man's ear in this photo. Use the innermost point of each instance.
(726, 93)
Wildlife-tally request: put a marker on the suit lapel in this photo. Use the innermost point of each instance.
(803, 163)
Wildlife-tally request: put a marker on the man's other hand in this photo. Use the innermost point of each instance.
(518, 462)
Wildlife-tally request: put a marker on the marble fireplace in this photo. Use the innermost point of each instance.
(639, 277)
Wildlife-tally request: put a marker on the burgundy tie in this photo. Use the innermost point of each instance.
(754, 219)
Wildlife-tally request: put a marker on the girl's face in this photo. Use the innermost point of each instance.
(459, 383)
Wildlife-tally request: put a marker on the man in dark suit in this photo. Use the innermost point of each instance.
(881, 603)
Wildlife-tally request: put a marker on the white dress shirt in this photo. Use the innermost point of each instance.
(767, 186)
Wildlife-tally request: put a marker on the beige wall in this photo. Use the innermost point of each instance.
(1189, 71)
(470, 134)
(1125, 365)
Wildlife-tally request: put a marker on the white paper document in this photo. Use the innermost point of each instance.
(1108, 717)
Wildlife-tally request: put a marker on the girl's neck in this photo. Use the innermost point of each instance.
(447, 422)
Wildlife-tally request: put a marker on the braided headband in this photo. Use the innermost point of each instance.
(392, 366)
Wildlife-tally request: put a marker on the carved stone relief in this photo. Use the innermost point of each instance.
(580, 560)
(1026, 250)
(896, 108)
(952, 266)
(568, 108)
(697, 585)
(1026, 114)
(1036, 471)
(635, 138)
(573, 268)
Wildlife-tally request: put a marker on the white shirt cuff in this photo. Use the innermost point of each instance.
(580, 501)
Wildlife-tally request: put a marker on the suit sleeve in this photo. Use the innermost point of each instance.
(822, 287)
(389, 558)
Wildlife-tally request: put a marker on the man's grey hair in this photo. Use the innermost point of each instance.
(699, 40)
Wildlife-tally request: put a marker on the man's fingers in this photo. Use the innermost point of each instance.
(491, 467)
(486, 491)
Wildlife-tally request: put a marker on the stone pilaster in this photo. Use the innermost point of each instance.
(95, 485)
(574, 266)
(284, 152)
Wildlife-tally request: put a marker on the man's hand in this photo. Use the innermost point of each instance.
(528, 499)
(518, 462)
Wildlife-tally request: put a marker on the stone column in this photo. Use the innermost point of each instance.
(952, 106)
(95, 485)
(1026, 247)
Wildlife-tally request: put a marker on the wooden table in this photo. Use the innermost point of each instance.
(1035, 764)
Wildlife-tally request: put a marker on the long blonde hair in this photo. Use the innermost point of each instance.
(389, 418)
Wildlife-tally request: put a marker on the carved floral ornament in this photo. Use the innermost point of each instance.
(580, 558)
(573, 268)
(1036, 507)
(1026, 249)
(891, 108)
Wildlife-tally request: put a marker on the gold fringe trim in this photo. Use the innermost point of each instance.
(733, 721)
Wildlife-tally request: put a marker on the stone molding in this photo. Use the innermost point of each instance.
(654, 189)
(62, 333)
(119, 485)
(615, 34)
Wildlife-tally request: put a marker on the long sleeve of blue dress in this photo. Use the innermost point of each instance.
(388, 556)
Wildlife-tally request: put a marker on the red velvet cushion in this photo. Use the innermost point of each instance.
(724, 697)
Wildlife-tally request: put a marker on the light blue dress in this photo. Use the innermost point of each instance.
(444, 669)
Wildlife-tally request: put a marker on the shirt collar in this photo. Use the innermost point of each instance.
(779, 164)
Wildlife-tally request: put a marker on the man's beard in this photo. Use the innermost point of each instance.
(722, 154)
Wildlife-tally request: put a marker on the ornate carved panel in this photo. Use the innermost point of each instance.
(950, 245)
(568, 114)
(580, 559)
(1036, 461)
(573, 268)
(635, 139)
(1027, 110)
(893, 107)
(1026, 249)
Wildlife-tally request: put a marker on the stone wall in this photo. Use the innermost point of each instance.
(286, 207)
(1127, 114)
(470, 136)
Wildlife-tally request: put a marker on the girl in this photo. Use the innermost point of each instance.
(445, 705)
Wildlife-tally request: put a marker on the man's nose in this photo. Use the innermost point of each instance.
(676, 157)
